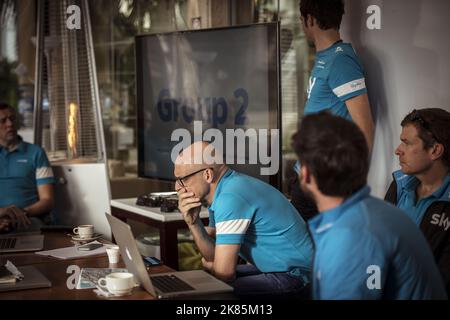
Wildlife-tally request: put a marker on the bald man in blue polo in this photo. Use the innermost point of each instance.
(248, 219)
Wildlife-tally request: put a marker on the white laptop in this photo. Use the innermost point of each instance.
(162, 285)
(21, 243)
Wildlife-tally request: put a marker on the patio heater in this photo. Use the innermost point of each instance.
(67, 115)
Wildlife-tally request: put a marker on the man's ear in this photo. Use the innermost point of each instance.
(437, 151)
(305, 175)
(208, 175)
(310, 21)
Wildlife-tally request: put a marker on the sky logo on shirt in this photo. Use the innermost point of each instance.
(441, 220)
(22, 161)
(356, 84)
(312, 82)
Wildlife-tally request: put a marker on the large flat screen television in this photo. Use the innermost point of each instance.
(220, 85)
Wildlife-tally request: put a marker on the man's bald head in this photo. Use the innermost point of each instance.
(197, 156)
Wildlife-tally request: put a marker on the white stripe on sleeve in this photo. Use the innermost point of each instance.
(44, 172)
(349, 87)
(238, 226)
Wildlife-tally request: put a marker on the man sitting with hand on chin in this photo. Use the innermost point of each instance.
(248, 218)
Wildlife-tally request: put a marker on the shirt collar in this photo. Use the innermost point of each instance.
(411, 184)
(331, 48)
(20, 147)
(444, 190)
(326, 219)
(219, 187)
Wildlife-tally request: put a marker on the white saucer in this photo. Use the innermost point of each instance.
(105, 293)
(121, 293)
(94, 237)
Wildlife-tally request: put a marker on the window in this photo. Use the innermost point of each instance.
(114, 25)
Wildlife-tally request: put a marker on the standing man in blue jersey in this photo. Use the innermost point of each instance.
(422, 187)
(26, 178)
(248, 218)
(337, 80)
(365, 248)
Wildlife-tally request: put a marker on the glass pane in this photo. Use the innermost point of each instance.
(116, 22)
(17, 29)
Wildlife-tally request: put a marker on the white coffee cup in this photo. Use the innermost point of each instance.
(117, 283)
(84, 231)
(113, 254)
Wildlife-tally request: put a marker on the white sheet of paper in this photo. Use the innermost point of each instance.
(72, 252)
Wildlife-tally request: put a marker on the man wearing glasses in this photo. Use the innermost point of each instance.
(422, 187)
(248, 218)
(26, 178)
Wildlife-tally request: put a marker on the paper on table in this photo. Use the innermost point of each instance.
(72, 252)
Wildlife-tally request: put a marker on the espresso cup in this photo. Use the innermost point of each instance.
(84, 231)
(113, 253)
(117, 283)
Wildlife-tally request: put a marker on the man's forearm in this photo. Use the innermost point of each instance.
(40, 207)
(369, 133)
(360, 111)
(204, 242)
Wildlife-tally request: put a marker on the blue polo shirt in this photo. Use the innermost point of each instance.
(407, 200)
(337, 76)
(253, 214)
(368, 249)
(22, 170)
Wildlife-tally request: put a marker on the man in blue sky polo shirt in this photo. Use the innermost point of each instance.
(26, 178)
(337, 81)
(365, 248)
(422, 187)
(248, 218)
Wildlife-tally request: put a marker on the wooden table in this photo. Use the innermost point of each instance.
(56, 271)
(52, 240)
(167, 223)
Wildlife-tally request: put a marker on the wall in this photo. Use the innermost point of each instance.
(407, 64)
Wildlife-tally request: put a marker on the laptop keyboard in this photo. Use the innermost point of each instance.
(170, 283)
(8, 243)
